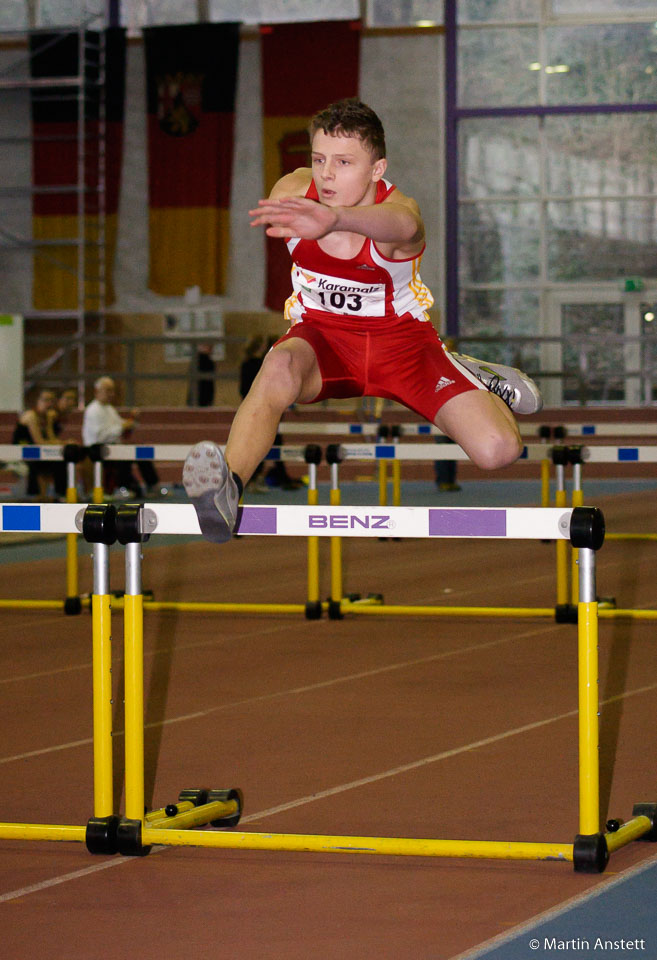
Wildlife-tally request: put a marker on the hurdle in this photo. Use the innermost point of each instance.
(640, 429)
(373, 605)
(577, 456)
(135, 832)
(310, 454)
(394, 432)
(395, 451)
(71, 454)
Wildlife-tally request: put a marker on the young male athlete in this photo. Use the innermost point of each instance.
(359, 322)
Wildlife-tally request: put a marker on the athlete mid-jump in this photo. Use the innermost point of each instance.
(359, 321)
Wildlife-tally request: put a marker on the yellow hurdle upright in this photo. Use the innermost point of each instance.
(134, 684)
(102, 683)
(313, 604)
(335, 546)
(72, 574)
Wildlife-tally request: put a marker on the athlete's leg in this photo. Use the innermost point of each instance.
(289, 374)
(483, 426)
(214, 482)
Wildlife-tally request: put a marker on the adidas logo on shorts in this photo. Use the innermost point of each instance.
(442, 383)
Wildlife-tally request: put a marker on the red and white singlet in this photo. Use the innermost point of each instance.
(366, 320)
(369, 285)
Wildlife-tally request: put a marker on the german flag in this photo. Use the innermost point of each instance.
(191, 74)
(62, 150)
(305, 66)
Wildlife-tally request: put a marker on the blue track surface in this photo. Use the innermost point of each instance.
(616, 919)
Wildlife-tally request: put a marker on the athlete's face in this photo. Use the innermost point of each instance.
(344, 170)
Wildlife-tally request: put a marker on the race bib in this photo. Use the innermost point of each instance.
(335, 295)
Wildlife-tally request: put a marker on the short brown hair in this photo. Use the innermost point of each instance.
(351, 118)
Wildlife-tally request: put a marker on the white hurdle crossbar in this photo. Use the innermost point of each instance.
(619, 454)
(177, 452)
(426, 451)
(521, 523)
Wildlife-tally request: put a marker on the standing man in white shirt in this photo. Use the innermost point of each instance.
(102, 423)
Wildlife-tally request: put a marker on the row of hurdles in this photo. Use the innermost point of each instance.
(134, 832)
(340, 603)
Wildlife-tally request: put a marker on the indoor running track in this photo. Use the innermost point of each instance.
(414, 727)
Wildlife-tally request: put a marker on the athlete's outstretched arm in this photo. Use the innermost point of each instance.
(394, 222)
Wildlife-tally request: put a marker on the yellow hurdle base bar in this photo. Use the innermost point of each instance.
(170, 827)
(597, 856)
(32, 604)
(42, 831)
(382, 609)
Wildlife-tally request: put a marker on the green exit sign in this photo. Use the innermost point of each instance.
(632, 284)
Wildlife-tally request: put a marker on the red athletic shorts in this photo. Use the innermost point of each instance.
(402, 359)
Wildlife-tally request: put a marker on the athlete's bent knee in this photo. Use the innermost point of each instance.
(497, 450)
(280, 376)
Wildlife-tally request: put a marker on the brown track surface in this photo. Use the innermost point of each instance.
(288, 710)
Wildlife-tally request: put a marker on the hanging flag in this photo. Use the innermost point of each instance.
(76, 167)
(191, 74)
(305, 66)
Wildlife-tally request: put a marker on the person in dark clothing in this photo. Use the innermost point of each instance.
(36, 426)
(205, 367)
(254, 353)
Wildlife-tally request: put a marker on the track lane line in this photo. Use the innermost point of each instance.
(292, 691)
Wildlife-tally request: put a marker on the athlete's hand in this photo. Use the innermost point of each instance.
(294, 217)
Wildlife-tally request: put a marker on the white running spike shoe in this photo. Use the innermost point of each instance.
(518, 391)
(211, 487)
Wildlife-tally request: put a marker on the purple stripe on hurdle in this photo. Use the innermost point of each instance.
(467, 523)
(257, 520)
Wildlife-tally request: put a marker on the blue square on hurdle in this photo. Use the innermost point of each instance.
(355, 428)
(31, 453)
(628, 453)
(144, 453)
(589, 430)
(424, 428)
(274, 454)
(21, 517)
(384, 451)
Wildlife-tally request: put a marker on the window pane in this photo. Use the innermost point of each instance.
(63, 13)
(391, 13)
(494, 67)
(602, 239)
(602, 7)
(499, 242)
(607, 154)
(482, 11)
(496, 160)
(13, 15)
(592, 371)
(501, 313)
(602, 63)
(282, 11)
